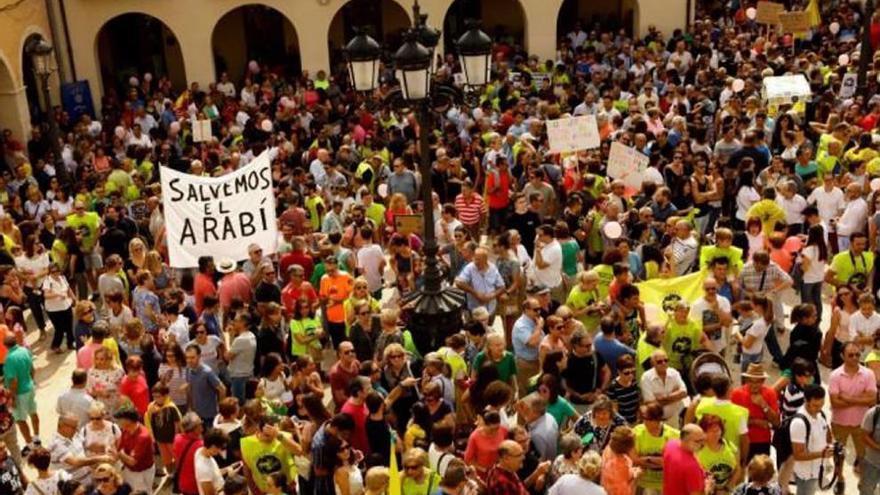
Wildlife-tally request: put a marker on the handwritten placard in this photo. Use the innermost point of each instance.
(201, 131)
(768, 13)
(796, 21)
(409, 224)
(627, 164)
(573, 134)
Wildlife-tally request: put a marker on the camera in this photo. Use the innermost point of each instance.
(839, 455)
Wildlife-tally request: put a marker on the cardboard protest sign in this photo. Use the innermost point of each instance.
(627, 164)
(573, 134)
(796, 21)
(768, 13)
(409, 224)
(201, 131)
(220, 217)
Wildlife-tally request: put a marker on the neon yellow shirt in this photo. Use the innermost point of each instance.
(649, 445)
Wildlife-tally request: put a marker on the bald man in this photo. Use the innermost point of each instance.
(690, 478)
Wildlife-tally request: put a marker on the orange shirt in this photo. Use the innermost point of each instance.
(617, 476)
(336, 288)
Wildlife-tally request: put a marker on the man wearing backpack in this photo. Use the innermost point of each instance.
(811, 440)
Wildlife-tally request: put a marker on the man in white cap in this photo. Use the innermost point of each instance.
(255, 259)
(233, 285)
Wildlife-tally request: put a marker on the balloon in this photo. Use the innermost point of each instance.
(253, 66)
(266, 125)
(843, 59)
(834, 27)
(612, 230)
(738, 85)
(133, 81)
(751, 13)
(382, 190)
(148, 77)
(875, 184)
(119, 131)
(174, 127)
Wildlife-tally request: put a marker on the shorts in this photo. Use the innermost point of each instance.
(25, 406)
(93, 261)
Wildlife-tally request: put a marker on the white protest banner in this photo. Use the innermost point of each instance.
(201, 131)
(220, 217)
(573, 134)
(627, 164)
(848, 85)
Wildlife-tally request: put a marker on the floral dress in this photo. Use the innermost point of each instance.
(105, 385)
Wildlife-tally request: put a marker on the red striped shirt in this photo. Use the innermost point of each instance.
(469, 212)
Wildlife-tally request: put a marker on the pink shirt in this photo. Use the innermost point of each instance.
(842, 383)
(234, 285)
(85, 356)
(482, 450)
(359, 435)
(689, 477)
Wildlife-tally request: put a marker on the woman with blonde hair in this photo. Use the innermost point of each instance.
(104, 378)
(99, 435)
(137, 257)
(163, 277)
(108, 481)
(396, 206)
(360, 293)
(417, 477)
(585, 482)
(618, 474)
(376, 481)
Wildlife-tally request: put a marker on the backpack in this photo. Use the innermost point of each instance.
(782, 437)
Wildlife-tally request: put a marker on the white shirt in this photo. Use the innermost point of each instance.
(745, 198)
(227, 88)
(794, 208)
(550, 276)
(702, 313)
(207, 470)
(445, 235)
(864, 326)
(370, 258)
(75, 402)
(854, 218)
(684, 254)
(758, 330)
(651, 174)
(316, 168)
(829, 203)
(816, 271)
(180, 330)
(818, 441)
(652, 386)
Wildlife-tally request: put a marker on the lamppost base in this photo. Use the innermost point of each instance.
(433, 316)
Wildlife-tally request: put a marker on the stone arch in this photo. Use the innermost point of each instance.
(135, 43)
(257, 32)
(503, 20)
(384, 20)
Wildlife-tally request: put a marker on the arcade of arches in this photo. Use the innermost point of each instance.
(196, 40)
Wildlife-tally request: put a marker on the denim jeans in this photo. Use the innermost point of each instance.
(806, 487)
(751, 358)
(238, 384)
(812, 293)
(870, 478)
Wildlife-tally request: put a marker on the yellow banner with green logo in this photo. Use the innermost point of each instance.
(660, 295)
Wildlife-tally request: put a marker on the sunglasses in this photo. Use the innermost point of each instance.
(413, 467)
(102, 480)
(364, 313)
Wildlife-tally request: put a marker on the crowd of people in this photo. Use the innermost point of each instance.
(300, 370)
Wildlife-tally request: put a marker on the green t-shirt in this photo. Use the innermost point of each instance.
(561, 410)
(570, 250)
(680, 341)
(376, 213)
(506, 367)
(578, 299)
(721, 464)
(846, 264)
(649, 445)
(308, 327)
(606, 275)
(118, 180)
(732, 253)
(731, 414)
(312, 203)
(91, 221)
(428, 487)
(19, 365)
(263, 459)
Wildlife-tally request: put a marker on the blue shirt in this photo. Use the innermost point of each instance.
(203, 389)
(611, 350)
(522, 330)
(482, 282)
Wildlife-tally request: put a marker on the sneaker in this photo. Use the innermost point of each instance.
(26, 451)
